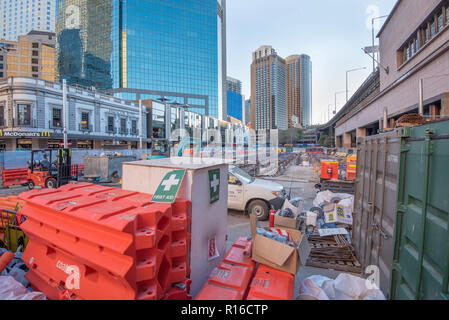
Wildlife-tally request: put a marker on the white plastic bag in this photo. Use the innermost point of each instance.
(327, 196)
(349, 287)
(10, 289)
(344, 287)
(312, 287)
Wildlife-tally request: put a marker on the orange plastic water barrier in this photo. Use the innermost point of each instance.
(271, 284)
(11, 203)
(119, 247)
(351, 168)
(329, 169)
(230, 280)
(13, 177)
(180, 221)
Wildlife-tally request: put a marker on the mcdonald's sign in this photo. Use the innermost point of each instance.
(25, 134)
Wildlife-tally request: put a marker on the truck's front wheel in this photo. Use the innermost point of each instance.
(260, 209)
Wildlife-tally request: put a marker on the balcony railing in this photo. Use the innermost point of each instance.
(124, 131)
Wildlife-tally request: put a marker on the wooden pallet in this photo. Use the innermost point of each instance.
(346, 266)
(333, 252)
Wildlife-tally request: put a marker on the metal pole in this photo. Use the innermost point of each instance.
(64, 112)
(140, 125)
(421, 97)
(335, 110)
(374, 54)
(347, 86)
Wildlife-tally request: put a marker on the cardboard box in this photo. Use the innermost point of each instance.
(295, 210)
(282, 222)
(278, 255)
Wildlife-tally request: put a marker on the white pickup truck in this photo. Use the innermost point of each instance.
(255, 196)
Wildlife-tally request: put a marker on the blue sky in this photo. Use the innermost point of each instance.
(332, 32)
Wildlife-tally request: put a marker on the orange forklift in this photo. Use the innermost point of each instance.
(50, 168)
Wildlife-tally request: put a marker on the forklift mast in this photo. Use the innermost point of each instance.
(64, 163)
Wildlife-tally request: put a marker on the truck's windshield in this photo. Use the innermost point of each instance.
(241, 174)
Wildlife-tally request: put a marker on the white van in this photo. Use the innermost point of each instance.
(254, 196)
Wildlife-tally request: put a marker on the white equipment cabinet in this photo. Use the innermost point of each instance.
(208, 220)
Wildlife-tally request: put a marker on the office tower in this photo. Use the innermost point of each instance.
(33, 55)
(234, 85)
(268, 90)
(235, 98)
(299, 90)
(247, 118)
(293, 90)
(306, 90)
(19, 17)
(145, 49)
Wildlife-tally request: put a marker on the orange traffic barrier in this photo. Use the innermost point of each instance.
(329, 170)
(5, 260)
(12, 177)
(11, 203)
(180, 220)
(118, 247)
(237, 254)
(230, 280)
(351, 168)
(271, 284)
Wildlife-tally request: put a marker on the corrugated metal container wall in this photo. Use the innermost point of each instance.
(375, 203)
(421, 259)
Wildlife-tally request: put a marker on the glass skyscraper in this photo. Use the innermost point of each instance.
(145, 49)
(235, 98)
(306, 90)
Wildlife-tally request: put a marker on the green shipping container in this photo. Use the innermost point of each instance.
(421, 254)
(401, 210)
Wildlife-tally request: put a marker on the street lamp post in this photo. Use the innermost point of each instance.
(347, 72)
(372, 25)
(337, 93)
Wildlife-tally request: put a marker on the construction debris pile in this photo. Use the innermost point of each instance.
(329, 237)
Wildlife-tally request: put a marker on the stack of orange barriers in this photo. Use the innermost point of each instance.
(231, 280)
(11, 203)
(93, 242)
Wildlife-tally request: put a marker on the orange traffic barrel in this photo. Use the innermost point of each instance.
(271, 284)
